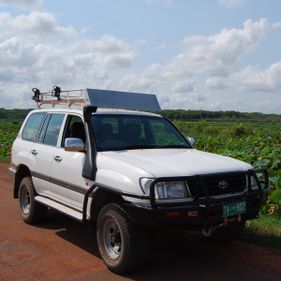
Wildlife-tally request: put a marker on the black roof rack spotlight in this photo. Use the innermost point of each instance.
(56, 92)
(36, 95)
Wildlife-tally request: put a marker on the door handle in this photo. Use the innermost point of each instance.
(57, 158)
(34, 152)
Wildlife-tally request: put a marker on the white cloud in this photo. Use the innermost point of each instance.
(36, 51)
(33, 24)
(147, 81)
(207, 72)
(231, 3)
(110, 51)
(218, 54)
(183, 86)
(259, 80)
(23, 4)
(250, 79)
(217, 83)
(59, 63)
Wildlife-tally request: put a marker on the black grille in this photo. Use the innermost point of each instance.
(218, 184)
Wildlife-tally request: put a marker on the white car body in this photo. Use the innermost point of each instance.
(127, 171)
(119, 169)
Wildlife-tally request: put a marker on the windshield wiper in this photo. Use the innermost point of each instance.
(140, 146)
(175, 146)
(147, 146)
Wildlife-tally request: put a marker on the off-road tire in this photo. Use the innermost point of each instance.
(32, 212)
(132, 239)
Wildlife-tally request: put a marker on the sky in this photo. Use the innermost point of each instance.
(204, 54)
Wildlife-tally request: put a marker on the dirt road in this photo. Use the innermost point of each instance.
(62, 249)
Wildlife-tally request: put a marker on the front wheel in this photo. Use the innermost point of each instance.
(121, 243)
(31, 211)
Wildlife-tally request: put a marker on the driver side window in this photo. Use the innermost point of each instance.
(74, 128)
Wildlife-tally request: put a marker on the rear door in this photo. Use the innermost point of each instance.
(33, 154)
(47, 142)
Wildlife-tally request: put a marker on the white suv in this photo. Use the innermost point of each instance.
(128, 171)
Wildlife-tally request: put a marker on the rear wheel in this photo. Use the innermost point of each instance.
(31, 211)
(121, 243)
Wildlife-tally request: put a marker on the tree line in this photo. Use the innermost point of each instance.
(190, 115)
(177, 114)
(13, 114)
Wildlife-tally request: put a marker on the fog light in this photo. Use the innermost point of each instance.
(193, 214)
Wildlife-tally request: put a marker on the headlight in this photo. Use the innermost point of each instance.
(253, 183)
(170, 189)
(166, 189)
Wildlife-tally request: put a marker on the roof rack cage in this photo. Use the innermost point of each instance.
(97, 98)
(59, 97)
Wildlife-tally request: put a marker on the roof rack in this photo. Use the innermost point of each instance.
(97, 98)
(59, 97)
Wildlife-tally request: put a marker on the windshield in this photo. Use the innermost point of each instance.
(123, 132)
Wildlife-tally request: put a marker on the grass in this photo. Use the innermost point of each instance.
(264, 231)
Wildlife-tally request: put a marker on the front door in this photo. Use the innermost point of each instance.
(68, 184)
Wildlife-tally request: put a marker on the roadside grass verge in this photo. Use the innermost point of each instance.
(264, 231)
(5, 160)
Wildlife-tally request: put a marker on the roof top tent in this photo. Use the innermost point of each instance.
(97, 98)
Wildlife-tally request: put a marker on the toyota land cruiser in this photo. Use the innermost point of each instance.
(126, 170)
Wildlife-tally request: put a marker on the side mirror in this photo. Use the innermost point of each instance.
(191, 140)
(74, 145)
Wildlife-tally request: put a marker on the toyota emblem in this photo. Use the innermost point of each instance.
(223, 185)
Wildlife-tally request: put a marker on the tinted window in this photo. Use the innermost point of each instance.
(122, 132)
(164, 133)
(44, 128)
(53, 129)
(32, 126)
(74, 129)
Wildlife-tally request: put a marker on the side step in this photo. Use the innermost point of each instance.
(60, 207)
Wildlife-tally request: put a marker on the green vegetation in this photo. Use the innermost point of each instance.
(264, 231)
(10, 122)
(8, 132)
(13, 114)
(230, 116)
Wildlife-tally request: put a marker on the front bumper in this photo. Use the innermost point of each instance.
(200, 212)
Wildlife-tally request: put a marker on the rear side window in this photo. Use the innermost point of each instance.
(53, 129)
(32, 126)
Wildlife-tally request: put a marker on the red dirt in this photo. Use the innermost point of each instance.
(62, 249)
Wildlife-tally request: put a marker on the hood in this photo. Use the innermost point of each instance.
(177, 162)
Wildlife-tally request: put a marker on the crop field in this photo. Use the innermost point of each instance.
(258, 143)
(8, 132)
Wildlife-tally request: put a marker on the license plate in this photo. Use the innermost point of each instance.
(233, 209)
